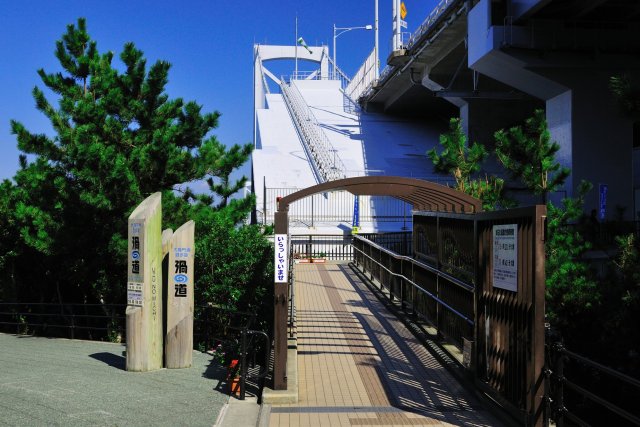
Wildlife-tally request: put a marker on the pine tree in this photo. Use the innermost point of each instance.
(463, 161)
(529, 155)
(571, 289)
(627, 94)
(118, 138)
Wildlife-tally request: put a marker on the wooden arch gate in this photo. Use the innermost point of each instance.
(507, 324)
(423, 195)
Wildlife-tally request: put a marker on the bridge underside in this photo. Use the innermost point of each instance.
(494, 63)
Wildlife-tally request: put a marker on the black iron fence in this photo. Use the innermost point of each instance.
(583, 392)
(75, 321)
(225, 333)
(229, 337)
(331, 247)
(422, 291)
(339, 247)
(399, 242)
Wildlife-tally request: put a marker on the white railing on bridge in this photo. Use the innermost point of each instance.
(364, 78)
(335, 207)
(327, 164)
(427, 25)
(336, 73)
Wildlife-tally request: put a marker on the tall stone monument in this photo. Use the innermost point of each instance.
(144, 287)
(180, 298)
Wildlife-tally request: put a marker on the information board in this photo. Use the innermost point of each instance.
(505, 257)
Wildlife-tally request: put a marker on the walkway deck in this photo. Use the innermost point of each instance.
(358, 365)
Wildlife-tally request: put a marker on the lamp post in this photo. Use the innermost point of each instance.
(338, 30)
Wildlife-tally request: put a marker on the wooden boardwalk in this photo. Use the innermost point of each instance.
(358, 365)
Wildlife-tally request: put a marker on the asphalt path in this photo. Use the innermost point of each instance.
(51, 381)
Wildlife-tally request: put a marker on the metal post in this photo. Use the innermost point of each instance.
(335, 64)
(375, 43)
(396, 25)
(560, 386)
(439, 266)
(296, 47)
(243, 366)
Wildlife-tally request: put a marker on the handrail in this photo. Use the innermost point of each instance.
(427, 267)
(338, 74)
(364, 78)
(415, 285)
(556, 372)
(431, 20)
(315, 141)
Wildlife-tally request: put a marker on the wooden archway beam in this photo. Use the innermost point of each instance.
(423, 195)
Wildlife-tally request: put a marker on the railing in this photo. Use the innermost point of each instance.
(400, 243)
(75, 321)
(337, 74)
(431, 20)
(404, 41)
(364, 77)
(441, 300)
(606, 396)
(427, 25)
(323, 246)
(315, 141)
(337, 207)
(447, 285)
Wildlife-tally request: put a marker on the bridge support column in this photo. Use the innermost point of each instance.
(574, 86)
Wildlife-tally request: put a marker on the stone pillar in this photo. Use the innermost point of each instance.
(180, 298)
(144, 291)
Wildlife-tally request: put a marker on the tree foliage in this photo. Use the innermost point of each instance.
(627, 94)
(571, 287)
(463, 162)
(119, 137)
(529, 155)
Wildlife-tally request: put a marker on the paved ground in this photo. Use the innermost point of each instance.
(359, 366)
(49, 382)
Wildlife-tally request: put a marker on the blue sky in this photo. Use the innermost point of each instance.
(208, 43)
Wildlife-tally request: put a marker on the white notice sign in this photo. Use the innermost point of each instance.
(505, 257)
(134, 293)
(280, 263)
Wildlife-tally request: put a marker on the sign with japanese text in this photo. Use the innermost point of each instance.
(144, 313)
(181, 272)
(136, 251)
(505, 257)
(135, 273)
(180, 298)
(134, 293)
(280, 262)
